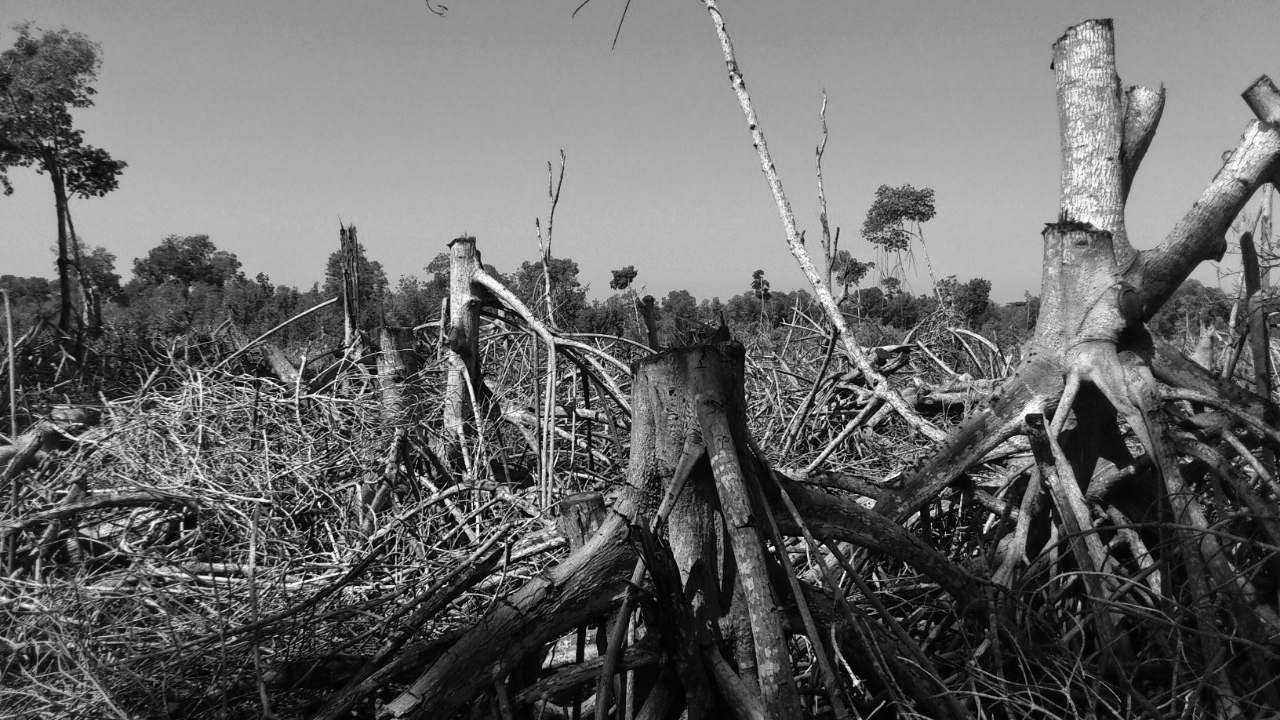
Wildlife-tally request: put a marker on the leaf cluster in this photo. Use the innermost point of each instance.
(885, 225)
(43, 77)
(849, 270)
(186, 261)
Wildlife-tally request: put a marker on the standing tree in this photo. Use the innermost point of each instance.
(42, 78)
(96, 270)
(568, 296)
(761, 292)
(186, 261)
(623, 278)
(760, 286)
(849, 271)
(894, 219)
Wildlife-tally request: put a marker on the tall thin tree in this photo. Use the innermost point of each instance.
(43, 77)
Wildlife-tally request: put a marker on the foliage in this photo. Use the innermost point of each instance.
(885, 225)
(678, 317)
(970, 300)
(416, 301)
(30, 298)
(614, 316)
(1011, 324)
(372, 282)
(371, 287)
(759, 286)
(97, 267)
(186, 261)
(1190, 305)
(623, 278)
(848, 270)
(28, 289)
(870, 302)
(42, 78)
(568, 296)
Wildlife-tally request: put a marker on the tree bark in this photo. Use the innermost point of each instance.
(64, 264)
(1096, 290)
(350, 254)
(398, 364)
(689, 453)
(464, 380)
(1255, 303)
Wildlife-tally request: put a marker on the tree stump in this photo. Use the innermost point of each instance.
(691, 458)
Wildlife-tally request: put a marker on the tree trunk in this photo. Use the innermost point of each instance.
(398, 366)
(1092, 359)
(350, 251)
(464, 381)
(1256, 312)
(64, 263)
(1096, 290)
(690, 457)
(696, 476)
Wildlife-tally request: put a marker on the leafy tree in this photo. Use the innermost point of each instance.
(21, 289)
(623, 278)
(30, 298)
(42, 78)
(971, 300)
(760, 286)
(1192, 303)
(414, 301)
(678, 314)
(98, 271)
(894, 219)
(568, 296)
(848, 270)
(902, 310)
(438, 269)
(871, 302)
(886, 223)
(614, 317)
(186, 261)
(247, 301)
(744, 309)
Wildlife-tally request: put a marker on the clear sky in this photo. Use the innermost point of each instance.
(261, 124)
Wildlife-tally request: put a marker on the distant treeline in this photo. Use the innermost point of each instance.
(187, 285)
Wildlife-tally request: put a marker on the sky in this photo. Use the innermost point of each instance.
(265, 124)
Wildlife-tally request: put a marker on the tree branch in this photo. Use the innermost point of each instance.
(1199, 236)
(796, 243)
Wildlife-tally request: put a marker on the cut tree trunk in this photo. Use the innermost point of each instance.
(398, 366)
(1091, 370)
(349, 250)
(464, 381)
(1096, 290)
(1092, 364)
(688, 446)
(696, 476)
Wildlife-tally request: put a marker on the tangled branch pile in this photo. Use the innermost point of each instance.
(503, 519)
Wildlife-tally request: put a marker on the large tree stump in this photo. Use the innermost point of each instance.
(1092, 364)
(688, 435)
